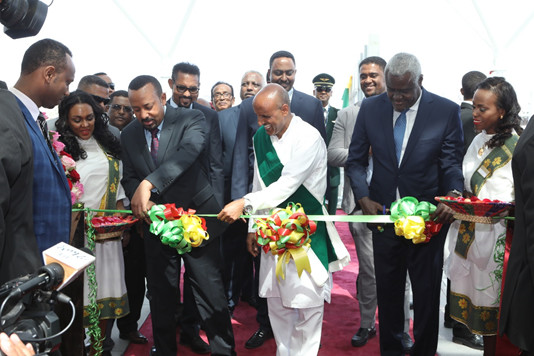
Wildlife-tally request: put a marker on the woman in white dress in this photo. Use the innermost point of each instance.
(473, 268)
(83, 127)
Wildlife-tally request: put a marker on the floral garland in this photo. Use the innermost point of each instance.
(285, 233)
(177, 228)
(69, 166)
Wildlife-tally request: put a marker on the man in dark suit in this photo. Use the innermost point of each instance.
(282, 71)
(516, 303)
(185, 85)
(416, 137)
(323, 84)
(238, 267)
(179, 174)
(19, 254)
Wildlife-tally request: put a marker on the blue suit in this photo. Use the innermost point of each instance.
(51, 192)
(305, 106)
(430, 166)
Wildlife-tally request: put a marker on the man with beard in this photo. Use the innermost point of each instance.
(165, 162)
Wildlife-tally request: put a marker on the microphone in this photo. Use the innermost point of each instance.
(71, 259)
(47, 278)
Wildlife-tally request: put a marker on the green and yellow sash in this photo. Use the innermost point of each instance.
(496, 159)
(270, 170)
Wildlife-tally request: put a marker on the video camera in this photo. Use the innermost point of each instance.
(22, 18)
(27, 308)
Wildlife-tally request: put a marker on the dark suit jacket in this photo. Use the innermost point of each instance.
(213, 151)
(517, 307)
(228, 124)
(51, 193)
(466, 114)
(431, 164)
(303, 105)
(182, 176)
(333, 172)
(19, 254)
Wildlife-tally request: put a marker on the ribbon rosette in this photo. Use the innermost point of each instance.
(412, 219)
(285, 233)
(177, 228)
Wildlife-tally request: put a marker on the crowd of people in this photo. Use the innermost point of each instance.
(136, 148)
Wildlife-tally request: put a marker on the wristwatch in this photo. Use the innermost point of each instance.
(247, 209)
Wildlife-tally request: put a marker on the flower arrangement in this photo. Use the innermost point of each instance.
(69, 166)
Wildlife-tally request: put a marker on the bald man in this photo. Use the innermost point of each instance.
(296, 304)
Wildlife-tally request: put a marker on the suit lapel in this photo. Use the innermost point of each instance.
(37, 133)
(167, 131)
(423, 113)
(385, 121)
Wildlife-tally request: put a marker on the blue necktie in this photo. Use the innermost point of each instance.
(398, 133)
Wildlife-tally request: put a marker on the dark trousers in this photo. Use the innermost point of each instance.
(262, 315)
(134, 275)
(203, 271)
(394, 255)
(238, 269)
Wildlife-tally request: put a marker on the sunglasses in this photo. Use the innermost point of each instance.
(111, 86)
(101, 100)
(182, 89)
(321, 89)
(118, 107)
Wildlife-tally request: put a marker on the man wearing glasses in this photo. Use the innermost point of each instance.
(107, 79)
(185, 85)
(323, 84)
(120, 112)
(222, 96)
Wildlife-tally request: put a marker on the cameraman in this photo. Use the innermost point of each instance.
(12, 346)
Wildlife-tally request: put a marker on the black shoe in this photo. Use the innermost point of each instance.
(407, 343)
(196, 344)
(473, 341)
(252, 301)
(361, 337)
(258, 338)
(135, 337)
(153, 351)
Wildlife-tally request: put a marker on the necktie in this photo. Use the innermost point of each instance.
(398, 133)
(44, 129)
(154, 145)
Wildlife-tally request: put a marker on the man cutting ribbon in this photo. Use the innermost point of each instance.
(290, 166)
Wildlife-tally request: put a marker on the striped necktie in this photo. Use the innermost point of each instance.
(154, 145)
(44, 130)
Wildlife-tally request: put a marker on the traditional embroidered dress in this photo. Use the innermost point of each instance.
(473, 269)
(100, 176)
(293, 169)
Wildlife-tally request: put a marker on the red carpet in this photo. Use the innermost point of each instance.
(341, 319)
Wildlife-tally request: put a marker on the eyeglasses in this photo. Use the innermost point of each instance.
(254, 84)
(321, 89)
(100, 99)
(111, 86)
(225, 95)
(182, 89)
(118, 107)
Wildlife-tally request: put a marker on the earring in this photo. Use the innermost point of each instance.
(502, 117)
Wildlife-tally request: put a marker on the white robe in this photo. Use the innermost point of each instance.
(302, 151)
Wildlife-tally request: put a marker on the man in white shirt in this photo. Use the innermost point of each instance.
(295, 303)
